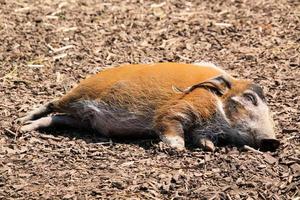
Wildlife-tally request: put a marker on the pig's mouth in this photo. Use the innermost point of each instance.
(240, 139)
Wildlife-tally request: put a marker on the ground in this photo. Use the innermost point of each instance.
(48, 46)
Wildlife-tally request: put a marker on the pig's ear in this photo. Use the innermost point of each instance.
(219, 85)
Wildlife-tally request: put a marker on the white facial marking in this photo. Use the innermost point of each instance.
(93, 107)
(182, 115)
(260, 118)
(220, 109)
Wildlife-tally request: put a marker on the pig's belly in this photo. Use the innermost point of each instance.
(111, 121)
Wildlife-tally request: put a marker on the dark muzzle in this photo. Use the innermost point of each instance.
(269, 144)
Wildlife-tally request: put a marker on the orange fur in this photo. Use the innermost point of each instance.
(140, 85)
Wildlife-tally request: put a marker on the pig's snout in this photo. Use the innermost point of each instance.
(269, 144)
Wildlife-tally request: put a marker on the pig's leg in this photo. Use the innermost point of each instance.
(52, 121)
(37, 113)
(171, 133)
(205, 143)
(205, 137)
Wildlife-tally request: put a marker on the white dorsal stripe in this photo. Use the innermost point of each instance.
(207, 64)
(212, 65)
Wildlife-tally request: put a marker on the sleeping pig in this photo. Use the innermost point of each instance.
(199, 103)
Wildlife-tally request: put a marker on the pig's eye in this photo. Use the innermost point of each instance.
(250, 97)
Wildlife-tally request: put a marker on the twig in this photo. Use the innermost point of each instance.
(63, 48)
(50, 47)
(103, 143)
(228, 196)
(35, 66)
(9, 74)
(214, 196)
(292, 137)
(56, 50)
(158, 5)
(50, 137)
(252, 149)
(223, 24)
(4, 106)
(11, 132)
(59, 56)
(66, 29)
(25, 9)
(51, 17)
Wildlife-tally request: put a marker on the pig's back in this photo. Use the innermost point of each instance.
(140, 86)
(179, 74)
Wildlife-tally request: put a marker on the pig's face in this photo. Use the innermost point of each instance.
(249, 114)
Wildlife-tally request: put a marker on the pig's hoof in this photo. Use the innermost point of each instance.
(22, 120)
(178, 147)
(175, 142)
(207, 144)
(29, 126)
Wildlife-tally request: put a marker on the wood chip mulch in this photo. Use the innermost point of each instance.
(48, 46)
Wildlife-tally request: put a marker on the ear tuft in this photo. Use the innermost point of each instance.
(219, 85)
(177, 90)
